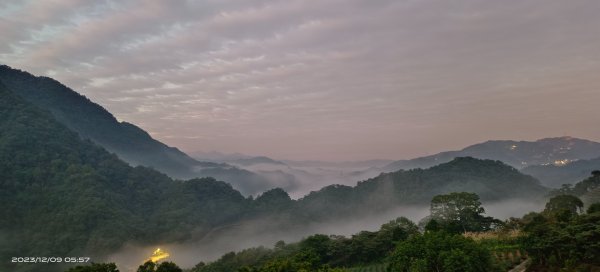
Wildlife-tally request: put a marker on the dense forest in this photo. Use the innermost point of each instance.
(132, 144)
(83, 199)
(456, 236)
(63, 193)
(492, 180)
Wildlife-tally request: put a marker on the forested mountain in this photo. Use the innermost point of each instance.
(129, 142)
(588, 189)
(82, 199)
(62, 195)
(216, 156)
(257, 160)
(518, 154)
(556, 175)
(455, 236)
(492, 180)
(300, 177)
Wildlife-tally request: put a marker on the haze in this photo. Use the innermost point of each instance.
(327, 79)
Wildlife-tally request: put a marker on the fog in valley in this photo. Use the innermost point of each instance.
(298, 178)
(265, 232)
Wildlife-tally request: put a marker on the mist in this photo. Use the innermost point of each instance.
(298, 178)
(254, 233)
(513, 207)
(267, 231)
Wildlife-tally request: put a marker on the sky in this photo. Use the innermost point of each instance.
(322, 79)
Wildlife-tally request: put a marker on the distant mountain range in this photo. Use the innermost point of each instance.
(215, 156)
(518, 154)
(554, 161)
(256, 160)
(81, 199)
(129, 142)
(491, 180)
(556, 175)
(62, 192)
(299, 177)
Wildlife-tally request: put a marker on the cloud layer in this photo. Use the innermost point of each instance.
(326, 79)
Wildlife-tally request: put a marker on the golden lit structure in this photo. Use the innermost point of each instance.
(158, 255)
(561, 162)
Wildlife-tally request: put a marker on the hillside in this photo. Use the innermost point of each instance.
(492, 180)
(129, 142)
(587, 189)
(257, 160)
(555, 176)
(517, 154)
(84, 200)
(61, 195)
(65, 195)
(299, 178)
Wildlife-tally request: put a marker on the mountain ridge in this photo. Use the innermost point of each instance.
(556, 175)
(87, 200)
(518, 154)
(491, 180)
(131, 143)
(84, 200)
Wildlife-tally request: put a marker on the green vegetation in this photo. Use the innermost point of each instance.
(95, 267)
(396, 246)
(491, 180)
(560, 238)
(370, 268)
(563, 240)
(440, 251)
(91, 121)
(594, 208)
(149, 266)
(319, 252)
(61, 195)
(132, 144)
(458, 212)
(457, 237)
(111, 267)
(588, 190)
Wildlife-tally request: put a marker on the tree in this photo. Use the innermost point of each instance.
(168, 267)
(456, 212)
(432, 225)
(442, 252)
(562, 206)
(279, 245)
(568, 244)
(148, 266)
(95, 267)
(594, 208)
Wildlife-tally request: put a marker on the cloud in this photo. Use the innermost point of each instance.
(326, 79)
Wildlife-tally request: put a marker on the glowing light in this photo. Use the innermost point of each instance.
(513, 147)
(158, 255)
(562, 162)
